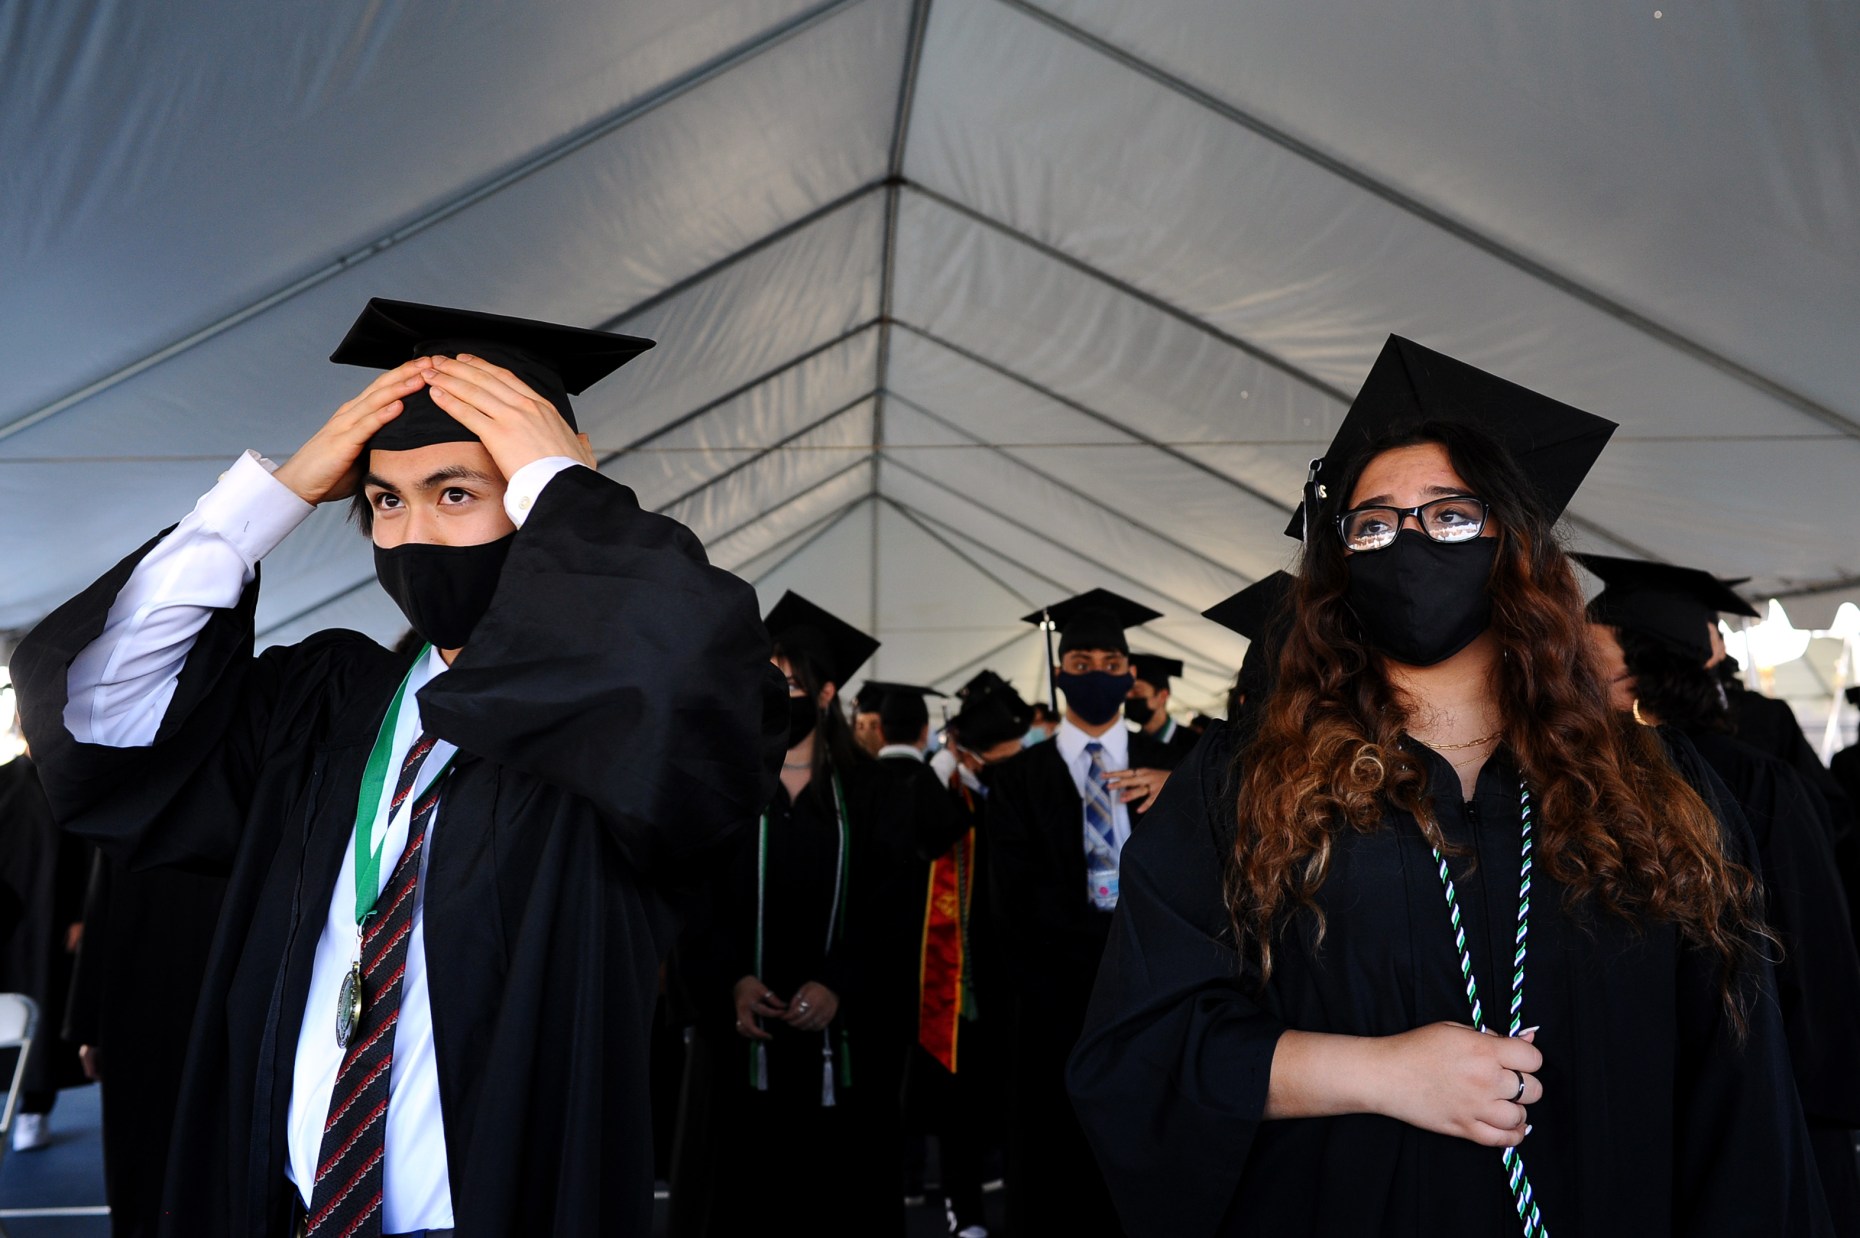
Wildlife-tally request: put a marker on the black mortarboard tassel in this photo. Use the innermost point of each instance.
(836, 647)
(1156, 670)
(1553, 443)
(1674, 605)
(556, 361)
(1094, 620)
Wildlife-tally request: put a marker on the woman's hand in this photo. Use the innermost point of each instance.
(1452, 1080)
(329, 466)
(813, 1007)
(1137, 788)
(516, 425)
(754, 1003)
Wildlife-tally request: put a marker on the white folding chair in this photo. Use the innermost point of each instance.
(19, 1021)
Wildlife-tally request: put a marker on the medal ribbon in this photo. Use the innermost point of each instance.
(374, 779)
(836, 932)
(1521, 1192)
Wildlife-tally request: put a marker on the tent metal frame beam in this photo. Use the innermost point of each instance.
(825, 527)
(924, 519)
(549, 155)
(788, 539)
(979, 659)
(866, 461)
(800, 223)
(1456, 228)
(974, 564)
(987, 509)
(737, 392)
(1052, 480)
(765, 452)
(1137, 437)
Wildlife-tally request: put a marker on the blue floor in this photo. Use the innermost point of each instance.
(67, 1174)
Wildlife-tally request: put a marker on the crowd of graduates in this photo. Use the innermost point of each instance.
(1174, 976)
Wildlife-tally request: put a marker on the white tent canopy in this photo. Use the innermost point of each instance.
(963, 306)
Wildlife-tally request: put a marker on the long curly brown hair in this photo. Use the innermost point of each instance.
(1617, 825)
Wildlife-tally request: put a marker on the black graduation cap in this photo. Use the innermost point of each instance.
(1257, 613)
(835, 646)
(982, 684)
(901, 706)
(1554, 443)
(1156, 670)
(1094, 620)
(991, 718)
(556, 361)
(1674, 605)
(1853, 696)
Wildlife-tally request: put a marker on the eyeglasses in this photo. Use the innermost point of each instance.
(1456, 518)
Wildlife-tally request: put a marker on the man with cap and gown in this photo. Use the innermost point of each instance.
(429, 996)
(806, 979)
(1179, 1058)
(1649, 625)
(1159, 742)
(1056, 823)
(955, 1080)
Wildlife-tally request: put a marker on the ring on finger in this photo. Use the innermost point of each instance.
(1519, 1095)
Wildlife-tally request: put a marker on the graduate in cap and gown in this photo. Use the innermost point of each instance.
(1650, 624)
(1450, 947)
(956, 1072)
(1056, 822)
(429, 996)
(1159, 742)
(806, 1024)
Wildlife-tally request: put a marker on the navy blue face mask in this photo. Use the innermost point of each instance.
(1421, 601)
(1095, 696)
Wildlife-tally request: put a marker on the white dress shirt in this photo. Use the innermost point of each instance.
(902, 750)
(1116, 743)
(120, 687)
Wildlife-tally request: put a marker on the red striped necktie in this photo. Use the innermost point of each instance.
(345, 1202)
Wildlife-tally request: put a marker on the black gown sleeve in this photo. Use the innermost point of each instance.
(1171, 1074)
(181, 800)
(617, 663)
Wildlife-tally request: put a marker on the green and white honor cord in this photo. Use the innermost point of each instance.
(1521, 1191)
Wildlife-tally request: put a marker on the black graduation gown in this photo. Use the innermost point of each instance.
(1051, 939)
(1818, 974)
(146, 937)
(1149, 752)
(783, 1151)
(42, 881)
(1653, 1121)
(615, 712)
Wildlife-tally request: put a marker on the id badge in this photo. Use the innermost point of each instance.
(1102, 887)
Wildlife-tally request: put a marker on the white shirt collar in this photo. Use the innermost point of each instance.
(902, 750)
(1116, 743)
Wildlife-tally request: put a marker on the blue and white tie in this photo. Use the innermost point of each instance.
(1100, 834)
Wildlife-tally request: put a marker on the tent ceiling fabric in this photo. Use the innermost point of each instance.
(963, 305)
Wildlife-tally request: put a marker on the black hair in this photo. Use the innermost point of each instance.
(834, 747)
(1675, 689)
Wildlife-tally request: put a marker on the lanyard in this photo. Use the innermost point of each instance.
(836, 931)
(374, 778)
(1521, 1191)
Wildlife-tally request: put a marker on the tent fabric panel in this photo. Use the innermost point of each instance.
(1064, 144)
(224, 128)
(742, 497)
(1709, 138)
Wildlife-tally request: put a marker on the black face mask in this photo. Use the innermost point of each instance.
(1095, 696)
(442, 590)
(1139, 710)
(1421, 601)
(803, 717)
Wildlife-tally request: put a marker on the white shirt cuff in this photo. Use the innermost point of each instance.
(250, 509)
(526, 485)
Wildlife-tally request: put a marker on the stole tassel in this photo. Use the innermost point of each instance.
(759, 1066)
(827, 1099)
